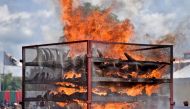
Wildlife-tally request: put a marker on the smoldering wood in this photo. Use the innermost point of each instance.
(141, 67)
(108, 82)
(40, 78)
(78, 64)
(59, 97)
(81, 81)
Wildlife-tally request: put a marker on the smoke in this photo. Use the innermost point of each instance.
(158, 22)
(128, 8)
(182, 36)
(154, 21)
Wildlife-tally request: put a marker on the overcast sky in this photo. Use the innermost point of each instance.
(25, 22)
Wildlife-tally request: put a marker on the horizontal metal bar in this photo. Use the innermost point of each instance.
(94, 41)
(42, 99)
(44, 64)
(106, 79)
(130, 80)
(105, 99)
(77, 81)
(128, 99)
(97, 59)
(51, 44)
(137, 44)
(149, 48)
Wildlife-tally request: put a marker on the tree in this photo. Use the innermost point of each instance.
(8, 82)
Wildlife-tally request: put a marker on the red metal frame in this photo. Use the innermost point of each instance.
(89, 72)
(171, 77)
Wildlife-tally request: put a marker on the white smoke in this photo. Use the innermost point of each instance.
(153, 19)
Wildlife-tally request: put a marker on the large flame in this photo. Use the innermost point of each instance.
(96, 25)
(102, 26)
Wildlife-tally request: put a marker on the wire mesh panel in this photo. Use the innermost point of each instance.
(131, 76)
(98, 75)
(55, 76)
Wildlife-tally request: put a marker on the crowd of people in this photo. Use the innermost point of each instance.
(6, 105)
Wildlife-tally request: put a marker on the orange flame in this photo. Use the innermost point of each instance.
(136, 90)
(102, 26)
(114, 106)
(97, 25)
(71, 74)
(150, 89)
(70, 91)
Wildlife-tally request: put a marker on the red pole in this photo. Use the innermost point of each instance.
(89, 71)
(171, 78)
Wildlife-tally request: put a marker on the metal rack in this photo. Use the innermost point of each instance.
(89, 79)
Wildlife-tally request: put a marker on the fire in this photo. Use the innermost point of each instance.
(102, 91)
(61, 104)
(65, 84)
(71, 74)
(135, 90)
(102, 26)
(81, 103)
(69, 91)
(150, 89)
(96, 25)
(115, 106)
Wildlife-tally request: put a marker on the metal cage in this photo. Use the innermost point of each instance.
(97, 75)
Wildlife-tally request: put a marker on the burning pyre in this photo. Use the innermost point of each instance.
(80, 24)
(119, 74)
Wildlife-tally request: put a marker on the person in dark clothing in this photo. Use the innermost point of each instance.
(186, 103)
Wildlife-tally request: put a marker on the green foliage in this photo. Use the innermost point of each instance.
(8, 82)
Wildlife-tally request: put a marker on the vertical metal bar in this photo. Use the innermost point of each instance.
(171, 77)
(89, 72)
(23, 78)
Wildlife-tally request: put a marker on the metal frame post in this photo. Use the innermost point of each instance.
(23, 77)
(171, 77)
(89, 72)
